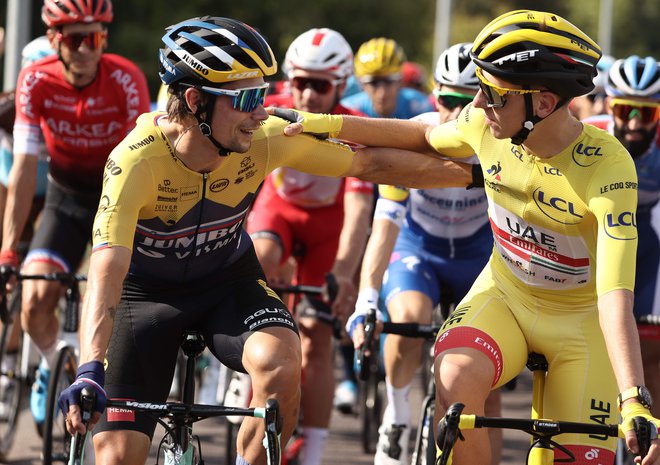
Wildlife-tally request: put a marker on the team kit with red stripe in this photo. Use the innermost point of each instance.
(565, 232)
(80, 127)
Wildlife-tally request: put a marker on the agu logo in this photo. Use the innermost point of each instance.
(621, 226)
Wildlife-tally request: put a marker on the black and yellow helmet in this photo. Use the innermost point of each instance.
(211, 50)
(538, 49)
(379, 57)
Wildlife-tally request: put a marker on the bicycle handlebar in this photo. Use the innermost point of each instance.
(449, 429)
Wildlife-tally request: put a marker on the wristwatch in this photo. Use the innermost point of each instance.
(640, 393)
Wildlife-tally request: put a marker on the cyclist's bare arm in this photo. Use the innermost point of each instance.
(622, 340)
(20, 193)
(412, 169)
(376, 259)
(357, 211)
(107, 269)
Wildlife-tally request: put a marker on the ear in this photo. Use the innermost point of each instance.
(51, 34)
(193, 99)
(546, 103)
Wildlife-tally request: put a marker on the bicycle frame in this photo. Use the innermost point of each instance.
(542, 447)
(178, 444)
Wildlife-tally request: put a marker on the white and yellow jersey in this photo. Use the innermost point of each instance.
(564, 226)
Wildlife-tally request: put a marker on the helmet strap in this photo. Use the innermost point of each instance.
(205, 124)
(530, 120)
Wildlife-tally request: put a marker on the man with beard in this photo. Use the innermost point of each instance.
(633, 90)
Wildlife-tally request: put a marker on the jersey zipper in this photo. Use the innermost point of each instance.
(199, 225)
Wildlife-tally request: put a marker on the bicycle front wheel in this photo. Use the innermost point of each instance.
(11, 382)
(57, 441)
(372, 394)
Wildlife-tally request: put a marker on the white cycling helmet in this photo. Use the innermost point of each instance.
(634, 77)
(35, 50)
(320, 49)
(455, 67)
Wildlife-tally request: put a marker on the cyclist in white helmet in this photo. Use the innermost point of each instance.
(322, 221)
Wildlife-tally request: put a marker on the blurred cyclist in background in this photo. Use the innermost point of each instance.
(419, 239)
(322, 221)
(414, 75)
(378, 67)
(84, 102)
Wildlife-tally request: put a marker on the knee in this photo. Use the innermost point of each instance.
(273, 358)
(463, 374)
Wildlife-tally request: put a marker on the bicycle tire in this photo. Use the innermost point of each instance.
(371, 409)
(424, 449)
(231, 432)
(56, 439)
(12, 385)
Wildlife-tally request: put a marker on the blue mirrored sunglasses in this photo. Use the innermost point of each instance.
(246, 100)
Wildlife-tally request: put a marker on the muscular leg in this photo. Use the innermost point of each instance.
(38, 309)
(403, 355)
(465, 375)
(121, 448)
(272, 357)
(270, 253)
(319, 383)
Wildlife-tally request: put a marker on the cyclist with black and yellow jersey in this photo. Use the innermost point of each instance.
(170, 252)
(561, 199)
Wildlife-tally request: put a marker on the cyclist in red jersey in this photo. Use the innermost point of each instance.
(84, 102)
(327, 217)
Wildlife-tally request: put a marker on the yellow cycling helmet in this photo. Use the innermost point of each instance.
(538, 49)
(379, 57)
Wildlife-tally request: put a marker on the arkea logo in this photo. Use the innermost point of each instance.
(495, 171)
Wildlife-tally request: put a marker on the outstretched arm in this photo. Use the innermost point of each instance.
(410, 169)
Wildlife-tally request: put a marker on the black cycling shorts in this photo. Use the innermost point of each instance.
(64, 228)
(151, 319)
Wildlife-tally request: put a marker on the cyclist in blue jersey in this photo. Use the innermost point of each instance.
(378, 67)
(426, 236)
(633, 90)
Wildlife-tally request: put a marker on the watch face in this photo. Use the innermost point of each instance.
(645, 397)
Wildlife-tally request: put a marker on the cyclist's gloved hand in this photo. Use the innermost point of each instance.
(90, 375)
(367, 300)
(477, 177)
(628, 413)
(320, 125)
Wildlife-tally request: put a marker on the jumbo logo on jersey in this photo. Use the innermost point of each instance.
(557, 209)
(586, 155)
(219, 185)
(621, 226)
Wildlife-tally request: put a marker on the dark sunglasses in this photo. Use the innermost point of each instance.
(320, 86)
(452, 100)
(629, 109)
(93, 40)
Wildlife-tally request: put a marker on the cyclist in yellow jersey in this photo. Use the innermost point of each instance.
(562, 199)
(170, 252)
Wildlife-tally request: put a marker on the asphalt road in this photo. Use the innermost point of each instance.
(343, 447)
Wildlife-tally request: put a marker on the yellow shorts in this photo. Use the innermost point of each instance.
(506, 323)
